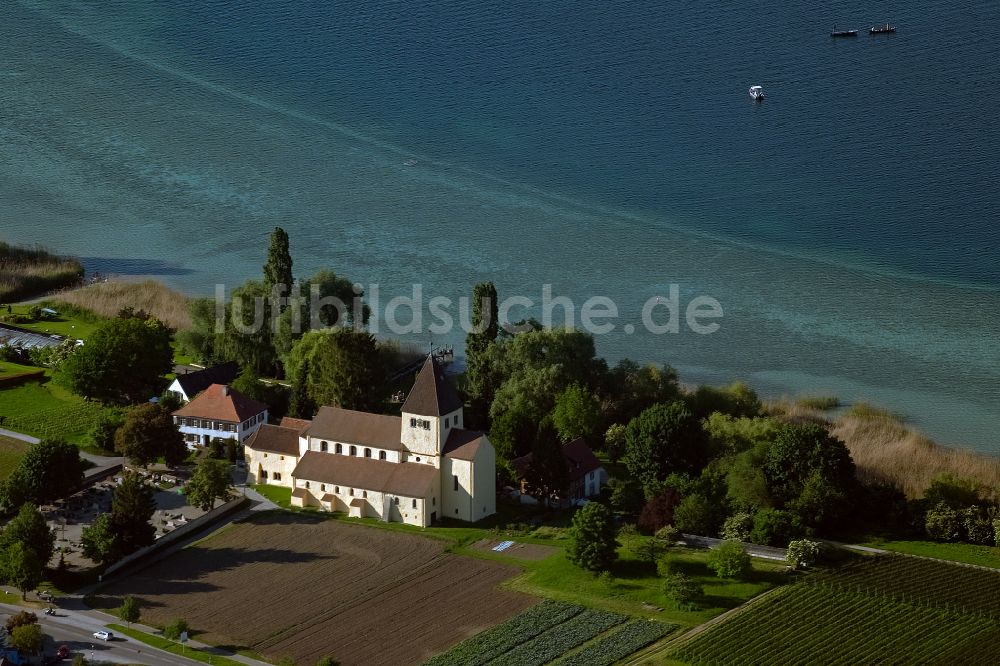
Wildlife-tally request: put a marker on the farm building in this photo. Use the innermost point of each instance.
(413, 468)
(586, 474)
(219, 411)
(189, 384)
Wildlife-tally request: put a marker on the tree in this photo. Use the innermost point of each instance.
(661, 440)
(480, 385)
(626, 496)
(278, 269)
(953, 491)
(100, 540)
(593, 532)
(248, 383)
(577, 414)
(729, 560)
(345, 368)
(21, 568)
(27, 639)
(217, 448)
(944, 523)
(802, 553)
(658, 512)
(19, 619)
(231, 450)
(174, 630)
(123, 361)
(102, 435)
(199, 341)
(302, 406)
(548, 473)
(738, 526)
(773, 527)
(148, 433)
(49, 470)
(247, 335)
(129, 611)
(211, 482)
(614, 441)
(799, 451)
(132, 507)
(30, 529)
(680, 588)
(635, 388)
(696, 515)
(737, 400)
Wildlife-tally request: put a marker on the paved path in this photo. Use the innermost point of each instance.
(16, 435)
(763, 552)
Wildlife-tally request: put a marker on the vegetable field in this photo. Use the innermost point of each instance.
(552, 631)
(878, 610)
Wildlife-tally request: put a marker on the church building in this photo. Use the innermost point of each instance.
(415, 468)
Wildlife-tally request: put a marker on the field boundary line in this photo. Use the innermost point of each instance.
(883, 551)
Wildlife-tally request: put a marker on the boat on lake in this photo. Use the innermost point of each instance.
(756, 93)
(881, 29)
(843, 33)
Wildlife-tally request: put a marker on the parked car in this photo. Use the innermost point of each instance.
(104, 635)
(63, 652)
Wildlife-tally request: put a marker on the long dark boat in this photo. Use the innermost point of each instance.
(881, 29)
(843, 33)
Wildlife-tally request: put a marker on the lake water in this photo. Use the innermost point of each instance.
(847, 224)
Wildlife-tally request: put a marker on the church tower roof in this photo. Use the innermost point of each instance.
(432, 394)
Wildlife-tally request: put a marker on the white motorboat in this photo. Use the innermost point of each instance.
(756, 93)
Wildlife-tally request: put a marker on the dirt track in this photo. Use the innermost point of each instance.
(293, 585)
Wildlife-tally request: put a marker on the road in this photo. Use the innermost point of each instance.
(75, 629)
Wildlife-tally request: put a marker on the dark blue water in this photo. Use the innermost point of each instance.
(847, 224)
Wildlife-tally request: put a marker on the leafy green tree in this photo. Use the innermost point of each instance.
(577, 414)
(49, 470)
(944, 523)
(27, 639)
(148, 433)
(658, 511)
(20, 619)
(774, 527)
(123, 361)
(21, 567)
(480, 378)
(199, 341)
(278, 269)
(696, 515)
(175, 628)
(100, 541)
(29, 528)
(594, 546)
(731, 435)
(102, 435)
(626, 496)
(247, 336)
(132, 507)
(217, 448)
(302, 406)
(614, 441)
(661, 440)
(248, 383)
(548, 473)
(956, 492)
(232, 450)
(729, 560)
(129, 611)
(211, 481)
(738, 526)
(798, 452)
(681, 588)
(668, 535)
(737, 400)
(345, 368)
(634, 388)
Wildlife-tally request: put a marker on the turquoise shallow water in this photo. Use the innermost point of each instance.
(847, 225)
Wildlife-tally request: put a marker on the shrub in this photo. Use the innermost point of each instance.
(977, 526)
(174, 630)
(943, 523)
(668, 535)
(682, 589)
(658, 511)
(802, 553)
(738, 526)
(729, 560)
(695, 515)
(35, 312)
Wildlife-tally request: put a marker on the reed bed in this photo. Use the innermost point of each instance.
(28, 272)
(108, 298)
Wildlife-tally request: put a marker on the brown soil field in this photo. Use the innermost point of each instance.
(304, 587)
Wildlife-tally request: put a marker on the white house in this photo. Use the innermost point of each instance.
(585, 473)
(219, 411)
(189, 384)
(414, 468)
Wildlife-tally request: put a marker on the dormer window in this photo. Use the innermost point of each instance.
(354, 450)
(339, 448)
(324, 447)
(368, 453)
(381, 455)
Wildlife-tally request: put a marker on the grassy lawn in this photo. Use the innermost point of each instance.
(967, 553)
(198, 654)
(78, 325)
(11, 452)
(47, 410)
(8, 368)
(278, 494)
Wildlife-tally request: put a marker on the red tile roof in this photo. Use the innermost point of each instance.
(580, 460)
(463, 444)
(409, 479)
(275, 439)
(432, 393)
(221, 403)
(351, 427)
(297, 424)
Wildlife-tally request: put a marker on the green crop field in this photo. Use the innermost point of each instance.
(885, 609)
(11, 452)
(550, 633)
(47, 410)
